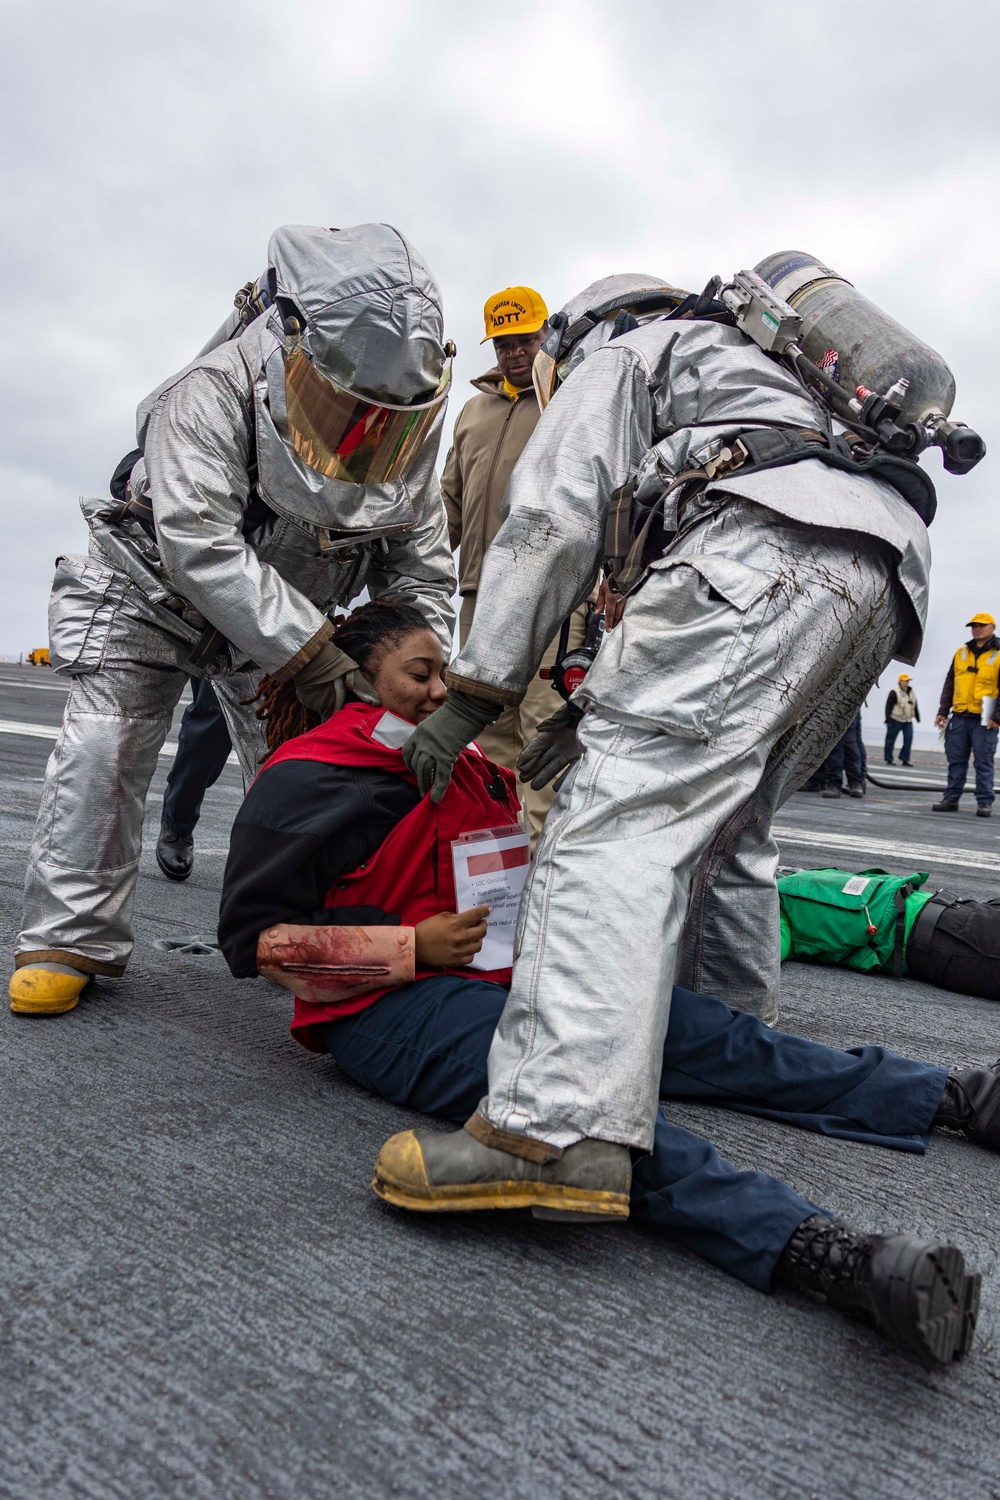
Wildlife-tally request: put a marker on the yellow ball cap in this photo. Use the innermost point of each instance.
(517, 309)
(982, 618)
(904, 676)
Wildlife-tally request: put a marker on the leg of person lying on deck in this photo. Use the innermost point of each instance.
(306, 856)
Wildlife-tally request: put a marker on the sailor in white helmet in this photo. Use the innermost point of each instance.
(287, 468)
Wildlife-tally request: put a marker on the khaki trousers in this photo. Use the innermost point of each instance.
(516, 727)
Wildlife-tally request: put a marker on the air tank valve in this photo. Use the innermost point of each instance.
(961, 446)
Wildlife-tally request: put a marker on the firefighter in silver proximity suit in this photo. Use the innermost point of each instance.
(779, 597)
(284, 470)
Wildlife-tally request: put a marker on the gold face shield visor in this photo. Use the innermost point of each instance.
(350, 437)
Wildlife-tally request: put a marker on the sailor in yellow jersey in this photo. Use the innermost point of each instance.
(972, 678)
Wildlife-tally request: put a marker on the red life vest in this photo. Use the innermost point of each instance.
(410, 874)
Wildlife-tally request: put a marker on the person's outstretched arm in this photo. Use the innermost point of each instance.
(197, 459)
(301, 825)
(544, 560)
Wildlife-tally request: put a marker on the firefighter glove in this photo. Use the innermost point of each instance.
(553, 749)
(435, 745)
(323, 683)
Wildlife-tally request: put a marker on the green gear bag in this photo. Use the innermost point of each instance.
(826, 916)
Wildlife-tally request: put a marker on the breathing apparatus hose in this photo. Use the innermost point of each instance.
(806, 370)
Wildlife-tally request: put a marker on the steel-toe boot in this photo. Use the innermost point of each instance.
(45, 989)
(437, 1172)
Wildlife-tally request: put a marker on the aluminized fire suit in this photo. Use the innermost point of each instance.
(124, 620)
(738, 663)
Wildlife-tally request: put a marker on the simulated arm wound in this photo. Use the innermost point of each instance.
(322, 965)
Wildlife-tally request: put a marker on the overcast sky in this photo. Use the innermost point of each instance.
(150, 148)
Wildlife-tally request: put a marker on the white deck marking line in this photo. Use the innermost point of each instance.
(59, 687)
(878, 848)
(934, 853)
(47, 732)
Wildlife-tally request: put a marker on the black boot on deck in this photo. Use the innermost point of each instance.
(971, 1103)
(916, 1294)
(175, 853)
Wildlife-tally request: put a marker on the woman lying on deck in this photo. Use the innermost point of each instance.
(340, 886)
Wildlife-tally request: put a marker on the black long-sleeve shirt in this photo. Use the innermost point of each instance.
(948, 691)
(301, 826)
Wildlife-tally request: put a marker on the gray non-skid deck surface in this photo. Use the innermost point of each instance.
(201, 1297)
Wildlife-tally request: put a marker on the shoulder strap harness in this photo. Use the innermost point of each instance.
(633, 531)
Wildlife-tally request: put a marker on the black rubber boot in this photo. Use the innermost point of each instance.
(984, 810)
(971, 1103)
(944, 806)
(916, 1294)
(175, 853)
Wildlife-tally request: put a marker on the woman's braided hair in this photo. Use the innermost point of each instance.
(364, 634)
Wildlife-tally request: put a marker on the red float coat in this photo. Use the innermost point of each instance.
(411, 873)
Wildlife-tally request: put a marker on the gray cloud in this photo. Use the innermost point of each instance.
(151, 150)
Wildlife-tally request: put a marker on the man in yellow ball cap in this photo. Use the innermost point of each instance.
(491, 433)
(901, 711)
(517, 310)
(968, 708)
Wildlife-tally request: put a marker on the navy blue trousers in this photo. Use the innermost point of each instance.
(203, 747)
(425, 1046)
(892, 729)
(966, 736)
(848, 757)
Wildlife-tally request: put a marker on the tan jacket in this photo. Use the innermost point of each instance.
(490, 436)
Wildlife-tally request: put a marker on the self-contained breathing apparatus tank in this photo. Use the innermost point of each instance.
(834, 341)
(873, 350)
(868, 368)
